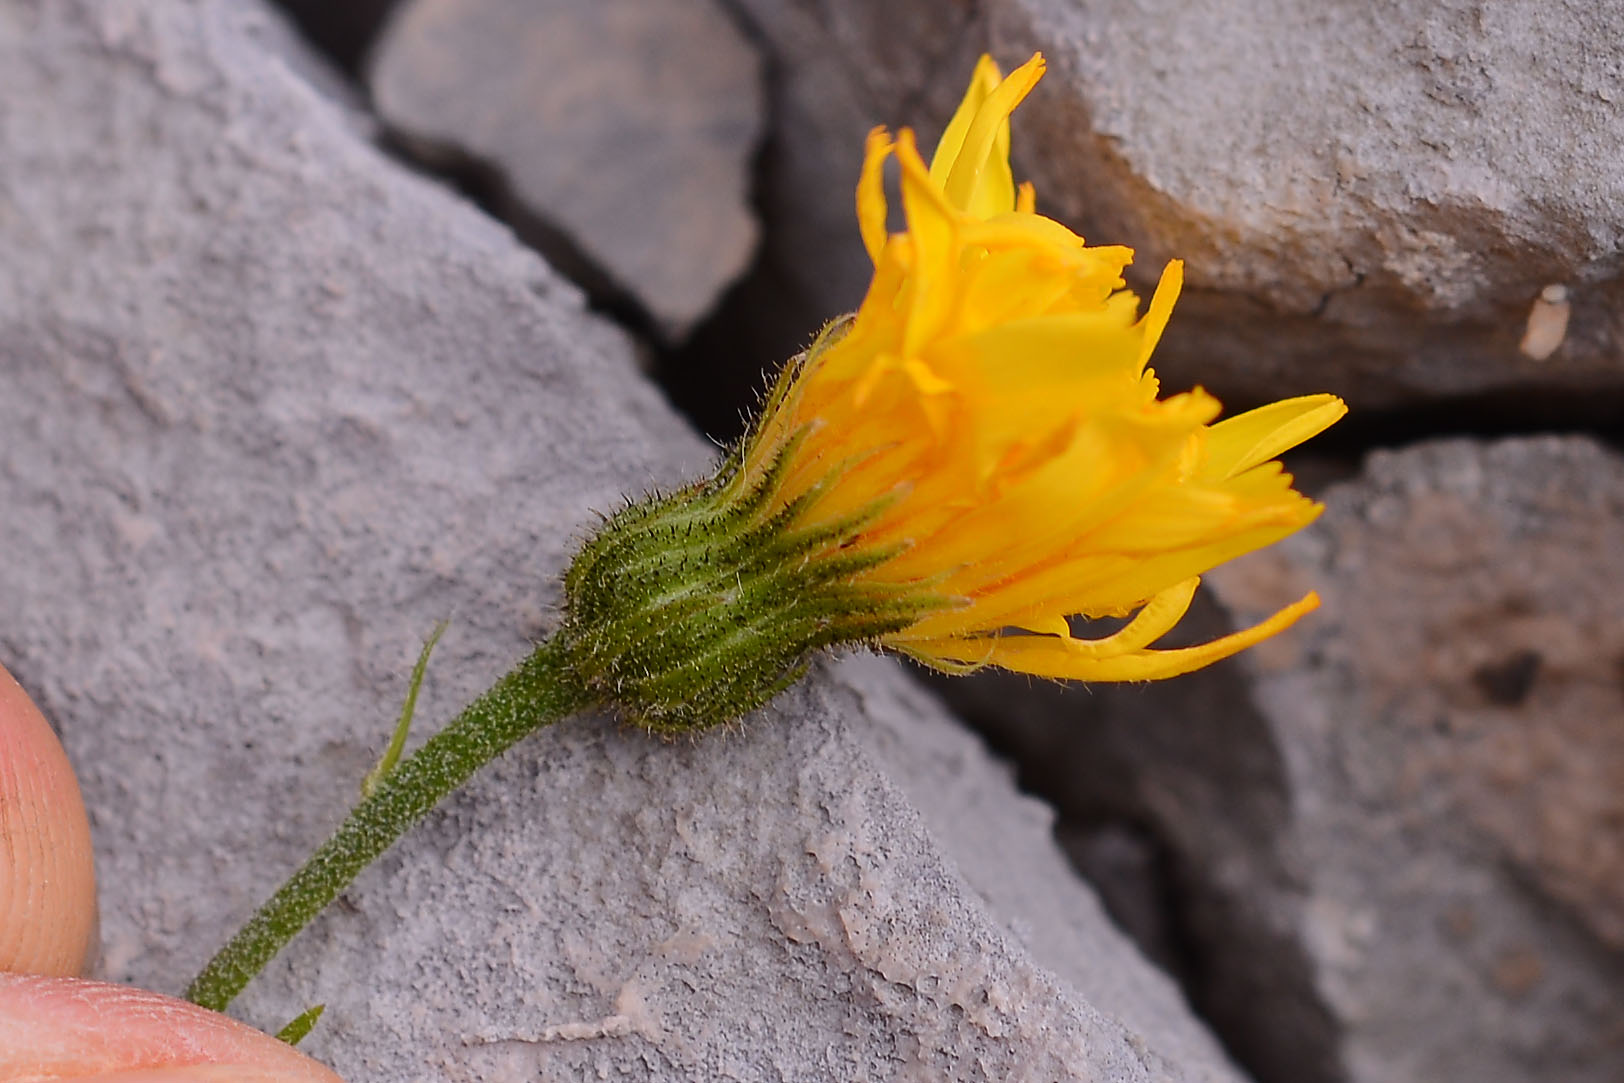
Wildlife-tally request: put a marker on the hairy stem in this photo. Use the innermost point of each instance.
(539, 691)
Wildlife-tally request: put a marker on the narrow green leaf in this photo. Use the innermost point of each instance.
(301, 1025)
(397, 742)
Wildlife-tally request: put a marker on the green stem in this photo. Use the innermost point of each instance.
(539, 691)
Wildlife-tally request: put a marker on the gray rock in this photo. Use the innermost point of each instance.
(1400, 826)
(1378, 203)
(623, 131)
(273, 406)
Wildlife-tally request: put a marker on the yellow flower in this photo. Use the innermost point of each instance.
(988, 414)
(973, 459)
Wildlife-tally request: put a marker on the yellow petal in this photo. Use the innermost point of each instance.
(1008, 285)
(929, 294)
(1054, 625)
(1152, 622)
(1155, 620)
(1101, 583)
(1026, 198)
(1239, 443)
(1161, 307)
(1035, 231)
(1117, 582)
(871, 209)
(979, 181)
(1036, 515)
(1031, 566)
(983, 81)
(1050, 656)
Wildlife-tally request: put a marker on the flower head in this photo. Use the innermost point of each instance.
(990, 399)
(975, 457)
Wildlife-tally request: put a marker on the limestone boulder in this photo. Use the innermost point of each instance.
(621, 134)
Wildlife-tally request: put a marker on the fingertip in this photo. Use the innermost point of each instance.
(202, 1073)
(68, 1028)
(47, 875)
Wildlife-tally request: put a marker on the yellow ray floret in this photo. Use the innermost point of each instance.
(989, 413)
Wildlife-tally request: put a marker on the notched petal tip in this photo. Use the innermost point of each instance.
(871, 206)
(976, 178)
(983, 81)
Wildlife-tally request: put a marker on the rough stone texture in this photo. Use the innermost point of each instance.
(1404, 820)
(1370, 200)
(623, 130)
(272, 407)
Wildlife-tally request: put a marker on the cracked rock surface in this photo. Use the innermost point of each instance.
(622, 132)
(272, 407)
(1402, 827)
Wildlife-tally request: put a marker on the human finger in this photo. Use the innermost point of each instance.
(47, 879)
(70, 1028)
